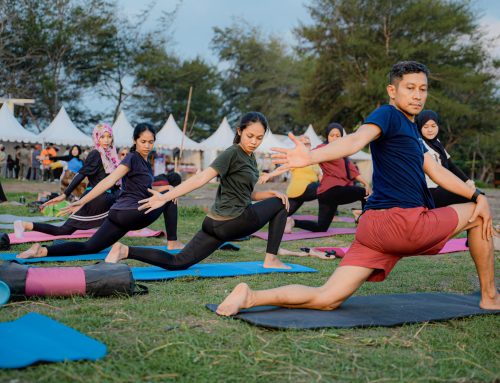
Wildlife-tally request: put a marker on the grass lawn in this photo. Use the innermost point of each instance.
(170, 335)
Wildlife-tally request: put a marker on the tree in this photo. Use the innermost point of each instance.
(261, 75)
(355, 42)
(55, 50)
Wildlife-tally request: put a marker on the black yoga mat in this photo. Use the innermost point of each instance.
(367, 311)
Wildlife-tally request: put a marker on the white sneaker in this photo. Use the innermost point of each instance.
(18, 229)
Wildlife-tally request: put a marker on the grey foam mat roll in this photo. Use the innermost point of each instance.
(367, 311)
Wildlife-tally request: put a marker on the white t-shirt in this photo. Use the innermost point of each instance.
(435, 156)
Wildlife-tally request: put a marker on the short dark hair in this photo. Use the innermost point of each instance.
(401, 68)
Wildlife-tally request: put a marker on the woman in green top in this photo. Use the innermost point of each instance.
(233, 215)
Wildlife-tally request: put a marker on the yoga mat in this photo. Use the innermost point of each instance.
(92, 257)
(213, 270)
(315, 218)
(35, 236)
(10, 226)
(9, 218)
(36, 338)
(303, 234)
(452, 246)
(367, 311)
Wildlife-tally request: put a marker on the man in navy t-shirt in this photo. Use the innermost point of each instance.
(399, 218)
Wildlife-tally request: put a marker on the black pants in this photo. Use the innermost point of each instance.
(328, 202)
(310, 194)
(443, 197)
(214, 233)
(118, 223)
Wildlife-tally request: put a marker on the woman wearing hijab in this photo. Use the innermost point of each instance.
(336, 187)
(428, 126)
(100, 162)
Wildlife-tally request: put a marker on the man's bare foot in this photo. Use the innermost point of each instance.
(174, 245)
(240, 298)
(35, 251)
(117, 253)
(290, 223)
(18, 229)
(273, 262)
(490, 303)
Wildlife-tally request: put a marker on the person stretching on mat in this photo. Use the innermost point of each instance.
(233, 215)
(303, 184)
(399, 218)
(137, 178)
(427, 123)
(336, 187)
(100, 162)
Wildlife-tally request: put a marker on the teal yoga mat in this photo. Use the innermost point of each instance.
(213, 270)
(92, 257)
(36, 338)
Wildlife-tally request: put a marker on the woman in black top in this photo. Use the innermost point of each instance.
(232, 216)
(427, 122)
(137, 177)
(100, 162)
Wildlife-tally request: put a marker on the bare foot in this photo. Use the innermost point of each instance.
(290, 223)
(490, 303)
(117, 253)
(356, 213)
(273, 262)
(282, 251)
(240, 298)
(174, 245)
(19, 229)
(35, 251)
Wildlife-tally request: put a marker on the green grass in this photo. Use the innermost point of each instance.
(169, 335)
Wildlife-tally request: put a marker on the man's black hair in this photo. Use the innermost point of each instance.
(401, 68)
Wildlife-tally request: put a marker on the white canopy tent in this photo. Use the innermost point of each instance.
(220, 140)
(272, 141)
(11, 130)
(315, 140)
(123, 132)
(170, 137)
(62, 131)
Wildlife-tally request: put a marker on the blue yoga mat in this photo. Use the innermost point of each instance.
(36, 338)
(92, 257)
(213, 270)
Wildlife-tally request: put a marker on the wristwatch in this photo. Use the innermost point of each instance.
(476, 194)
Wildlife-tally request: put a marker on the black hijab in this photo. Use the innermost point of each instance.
(329, 128)
(435, 144)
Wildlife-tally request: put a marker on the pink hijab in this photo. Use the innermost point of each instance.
(109, 156)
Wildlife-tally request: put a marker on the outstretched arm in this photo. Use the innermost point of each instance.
(267, 176)
(193, 183)
(300, 156)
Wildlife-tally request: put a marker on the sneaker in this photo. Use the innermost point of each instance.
(18, 229)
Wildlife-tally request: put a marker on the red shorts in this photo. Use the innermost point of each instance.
(383, 237)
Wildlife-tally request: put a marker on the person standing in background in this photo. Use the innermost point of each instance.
(3, 161)
(35, 162)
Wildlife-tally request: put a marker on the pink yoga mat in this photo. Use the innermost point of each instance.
(452, 246)
(309, 234)
(315, 218)
(35, 236)
(55, 281)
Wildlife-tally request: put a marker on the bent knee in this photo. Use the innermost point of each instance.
(326, 301)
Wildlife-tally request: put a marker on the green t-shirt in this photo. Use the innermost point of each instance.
(238, 175)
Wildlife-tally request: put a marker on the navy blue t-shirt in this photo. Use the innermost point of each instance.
(398, 158)
(135, 183)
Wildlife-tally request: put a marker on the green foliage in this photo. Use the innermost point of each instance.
(356, 42)
(261, 75)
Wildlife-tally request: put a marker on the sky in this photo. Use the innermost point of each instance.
(193, 25)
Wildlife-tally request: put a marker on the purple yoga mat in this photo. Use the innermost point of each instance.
(452, 246)
(315, 218)
(309, 234)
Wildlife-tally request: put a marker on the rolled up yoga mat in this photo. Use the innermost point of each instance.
(101, 279)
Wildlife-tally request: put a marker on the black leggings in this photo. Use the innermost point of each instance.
(443, 197)
(310, 194)
(65, 229)
(214, 233)
(118, 223)
(327, 206)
